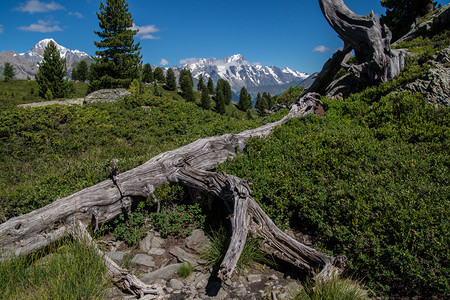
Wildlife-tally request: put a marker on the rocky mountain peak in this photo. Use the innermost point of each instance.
(36, 54)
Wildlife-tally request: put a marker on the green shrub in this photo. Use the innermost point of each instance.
(179, 220)
(130, 229)
(185, 270)
(369, 181)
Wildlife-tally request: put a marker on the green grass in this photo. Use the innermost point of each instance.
(250, 256)
(185, 270)
(67, 270)
(335, 289)
(19, 91)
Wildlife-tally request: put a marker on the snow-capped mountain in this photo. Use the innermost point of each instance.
(239, 72)
(36, 54)
(26, 64)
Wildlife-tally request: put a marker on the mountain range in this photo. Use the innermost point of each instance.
(235, 69)
(26, 64)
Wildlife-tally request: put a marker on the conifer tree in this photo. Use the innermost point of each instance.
(118, 59)
(227, 92)
(8, 71)
(225, 87)
(261, 103)
(186, 86)
(80, 72)
(210, 86)
(147, 73)
(159, 75)
(245, 100)
(201, 84)
(171, 82)
(50, 76)
(206, 100)
(220, 102)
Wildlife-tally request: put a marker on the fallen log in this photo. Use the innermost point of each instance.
(192, 166)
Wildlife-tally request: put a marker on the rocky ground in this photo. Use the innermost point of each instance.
(157, 261)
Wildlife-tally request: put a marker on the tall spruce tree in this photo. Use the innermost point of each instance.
(245, 100)
(227, 93)
(8, 71)
(147, 74)
(159, 75)
(210, 86)
(201, 83)
(118, 60)
(206, 100)
(50, 76)
(187, 85)
(220, 102)
(171, 81)
(81, 71)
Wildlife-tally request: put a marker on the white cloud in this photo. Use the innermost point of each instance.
(42, 26)
(163, 62)
(76, 14)
(1, 28)
(321, 49)
(145, 32)
(35, 6)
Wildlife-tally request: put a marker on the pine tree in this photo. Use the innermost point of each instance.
(171, 82)
(227, 93)
(186, 86)
(201, 84)
(147, 73)
(118, 59)
(220, 102)
(261, 103)
(210, 86)
(81, 71)
(159, 75)
(245, 100)
(206, 100)
(8, 71)
(50, 76)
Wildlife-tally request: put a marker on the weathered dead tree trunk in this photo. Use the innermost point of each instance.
(191, 166)
(371, 42)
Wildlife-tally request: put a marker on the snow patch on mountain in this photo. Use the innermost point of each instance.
(36, 54)
(239, 72)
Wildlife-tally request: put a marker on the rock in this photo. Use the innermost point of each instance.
(222, 294)
(197, 240)
(183, 256)
(293, 288)
(118, 255)
(143, 259)
(435, 86)
(146, 243)
(107, 95)
(161, 273)
(176, 284)
(253, 278)
(156, 251)
(157, 241)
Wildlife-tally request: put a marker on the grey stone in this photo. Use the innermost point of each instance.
(169, 290)
(176, 284)
(146, 243)
(157, 241)
(106, 95)
(197, 240)
(161, 273)
(183, 256)
(222, 294)
(435, 85)
(118, 255)
(293, 288)
(156, 251)
(253, 278)
(143, 259)
(273, 277)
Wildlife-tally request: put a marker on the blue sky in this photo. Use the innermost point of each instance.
(284, 33)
